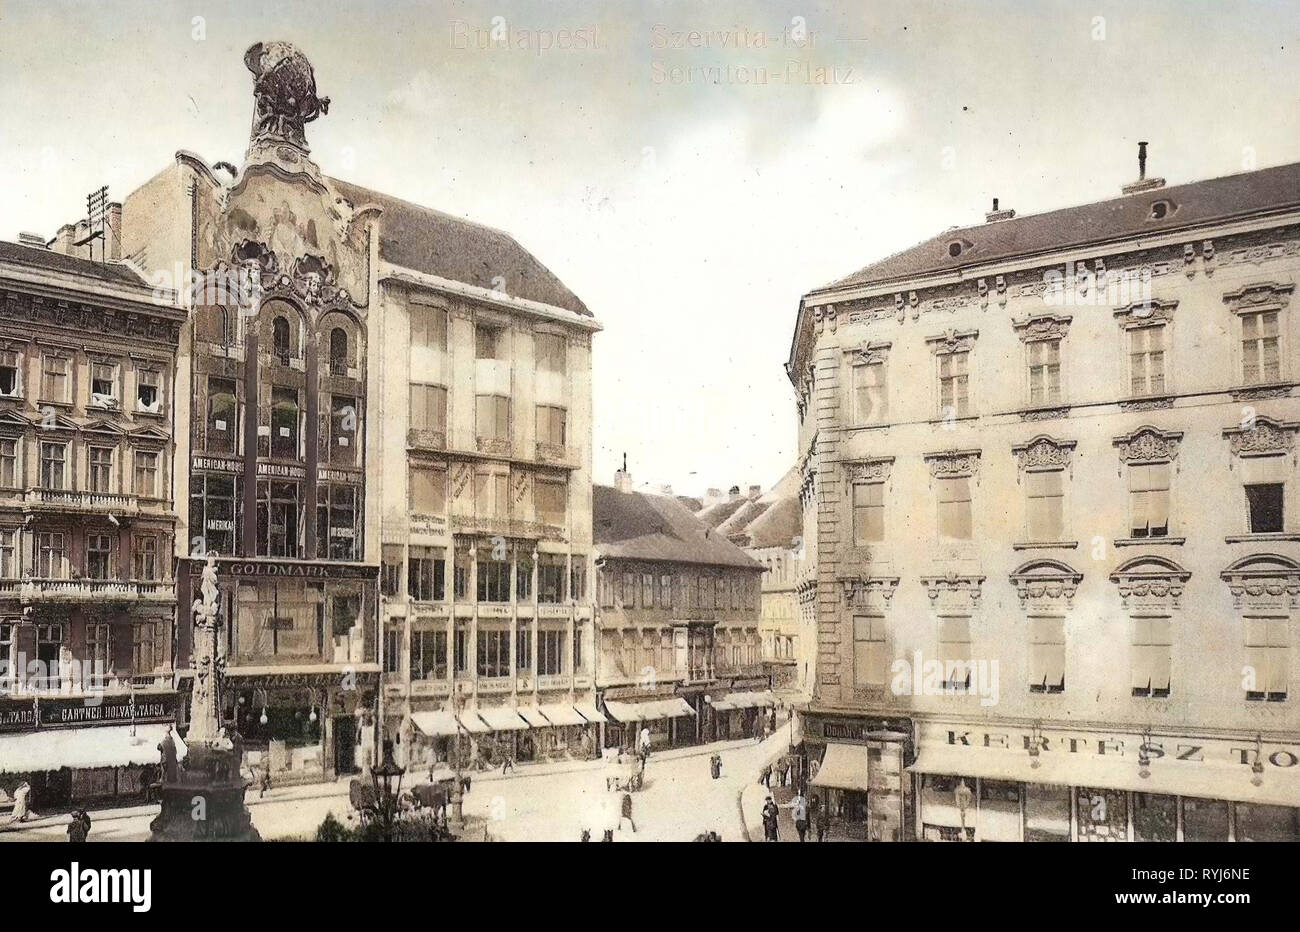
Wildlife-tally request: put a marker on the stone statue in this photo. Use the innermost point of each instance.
(284, 88)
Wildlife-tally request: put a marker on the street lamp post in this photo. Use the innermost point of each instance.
(457, 789)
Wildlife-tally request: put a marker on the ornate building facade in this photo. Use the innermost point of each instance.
(87, 595)
(1055, 549)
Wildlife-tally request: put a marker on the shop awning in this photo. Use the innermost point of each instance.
(648, 711)
(501, 718)
(843, 768)
(439, 724)
(589, 711)
(472, 723)
(1168, 776)
(533, 717)
(80, 748)
(562, 715)
(744, 700)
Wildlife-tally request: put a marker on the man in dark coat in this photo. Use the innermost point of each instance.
(770, 815)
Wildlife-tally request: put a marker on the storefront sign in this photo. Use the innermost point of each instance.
(243, 569)
(213, 464)
(277, 471)
(338, 475)
(17, 716)
(115, 710)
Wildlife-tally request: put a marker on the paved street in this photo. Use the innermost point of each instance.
(535, 803)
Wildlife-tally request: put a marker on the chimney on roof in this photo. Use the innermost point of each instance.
(1143, 183)
(733, 494)
(755, 491)
(712, 497)
(623, 478)
(63, 240)
(34, 240)
(994, 215)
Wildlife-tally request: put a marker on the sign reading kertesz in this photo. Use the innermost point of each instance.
(105, 885)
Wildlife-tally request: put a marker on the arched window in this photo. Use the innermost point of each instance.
(338, 351)
(280, 339)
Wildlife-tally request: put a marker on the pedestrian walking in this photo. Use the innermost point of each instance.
(799, 807)
(770, 816)
(266, 777)
(507, 763)
(765, 777)
(626, 812)
(822, 820)
(785, 771)
(79, 827)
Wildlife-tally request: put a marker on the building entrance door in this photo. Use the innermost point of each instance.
(345, 744)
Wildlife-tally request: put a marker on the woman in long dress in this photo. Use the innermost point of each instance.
(22, 809)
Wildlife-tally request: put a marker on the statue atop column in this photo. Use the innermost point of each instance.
(284, 89)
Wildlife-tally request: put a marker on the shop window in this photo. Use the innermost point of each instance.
(999, 810)
(1044, 505)
(428, 655)
(337, 519)
(550, 352)
(550, 579)
(493, 653)
(10, 474)
(1204, 819)
(10, 378)
(1264, 504)
(146, 557)
(146, 472)
(1155, 817)
(954, 497)
(390, 574)
(955, 652)
(1267, 823)
(285, 417)
(148, 391)
(345, 614)
(56, 384)
(1149, 499)
(345, 420)
(1046, 655)
(493, 579)
(1047, 813)
(428, 490)
(215, 506)
(100, 468)
(223, 416)
(1151, 653)
(870, 651)
(99, 556)
(279, 517)
(1102, 814)
(1267, 649)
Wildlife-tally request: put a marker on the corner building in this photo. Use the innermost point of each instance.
(1055, 559)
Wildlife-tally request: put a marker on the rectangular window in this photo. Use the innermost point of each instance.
(279, 519)
(10, 477)
(1044, 505)
(550, 579)
(222, 417)
(492, 417)
(493, 653)
(493, 579)
(53, 465)
(215, 507)
(870, 398)
(523, 650)
(1044, 371)
(577, 577)
(1046, 655)
(146, 557)
(551, 425)
(99, 556)
(491, 494)
(550, 499)
(954, 508)
(428, 655)
(428, 490)
(148, 390)
(955, 652)
(1266, 669)
(954, 384)
(146, 473)
(345, 418)
(461, 651)
(1151, 652)
(99, 649)
(1260, 349)
(870, 656)
(144, 657)
(1149, 499)
(8, 557)
(1264, 504)
(487, 342)
(103, 384)
(10, 380)
(868, 513)
(285, 417)
(393, 650)
(627, 593)
(550, 352)
(665, 591)
(428, 327)
(390, 573)
(55, 383)
(647, 589)
(523, 576)
(100, 469)
(1147, 361)
(550, 653)
(428, 408)
(337, 513)
(51, 555)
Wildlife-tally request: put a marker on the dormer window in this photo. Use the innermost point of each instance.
(955, 248)
(1161, 209)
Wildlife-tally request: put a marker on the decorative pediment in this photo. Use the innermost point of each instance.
(953, 587)
(1264, 582)
(1043, 452)
(1148, 444)
(149, 435)
(11, 423)
(952, 341)
(1042, 327)
(1262, 436)
(861, 590)
(953, 464)
(1146, 313)
(869, 353)
(1046, 581)
(870, 470)
(1150, 581)
(50, 419)
(107, 428)
(1260, 294)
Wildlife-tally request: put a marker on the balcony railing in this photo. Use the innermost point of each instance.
(505, 527)
(69, 500)
(84, 590)
(110, 684)
(494, 446)
(420, 439)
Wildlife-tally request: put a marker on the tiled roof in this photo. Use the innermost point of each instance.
(692, 504)
(734, 527)
(1193, 204)
(636, 525)
(718, 512)
(48, 260)
(773, 519)
(435, 243)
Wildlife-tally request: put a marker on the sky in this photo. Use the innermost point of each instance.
(689, 188)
